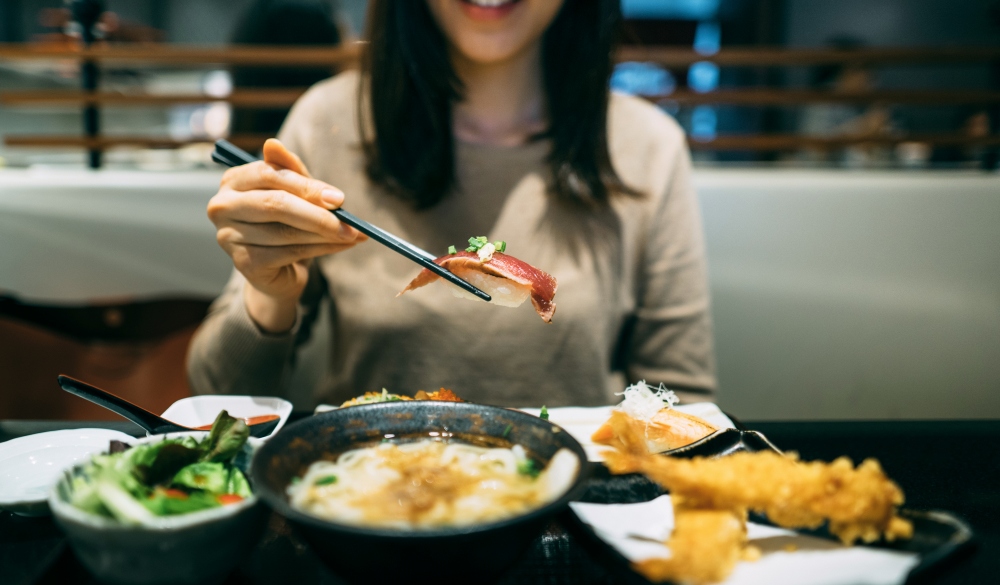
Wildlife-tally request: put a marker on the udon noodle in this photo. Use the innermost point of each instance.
(427, 484)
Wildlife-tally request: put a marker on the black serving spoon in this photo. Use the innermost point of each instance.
(150, 422)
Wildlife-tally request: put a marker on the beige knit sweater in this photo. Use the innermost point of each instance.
(632, 302)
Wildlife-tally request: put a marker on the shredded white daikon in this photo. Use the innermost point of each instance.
(486, 252)
(642, 402)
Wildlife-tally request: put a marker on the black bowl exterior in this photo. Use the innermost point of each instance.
(199, 554)
(479, 557)
(469, 554)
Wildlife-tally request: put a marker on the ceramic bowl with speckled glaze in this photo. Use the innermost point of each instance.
(467, 554)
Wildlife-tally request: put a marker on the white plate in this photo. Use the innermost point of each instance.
(31, 465)
(198, 411)
(582, 422)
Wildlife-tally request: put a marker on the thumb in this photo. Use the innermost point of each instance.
(277, 155)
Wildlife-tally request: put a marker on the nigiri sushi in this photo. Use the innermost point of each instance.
(506, 279)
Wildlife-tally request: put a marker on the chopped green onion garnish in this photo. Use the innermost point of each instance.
(330, 479)
(544, 414)
(500, 245)
(476, 243)
(528, 467)
(452, 250)
(507, 430)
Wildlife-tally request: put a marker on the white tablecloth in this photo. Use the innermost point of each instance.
(76, 236)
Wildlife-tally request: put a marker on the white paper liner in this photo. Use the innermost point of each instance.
(638, 531)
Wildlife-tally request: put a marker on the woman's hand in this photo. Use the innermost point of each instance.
(272, 219)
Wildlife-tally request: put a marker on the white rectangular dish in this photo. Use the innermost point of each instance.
(197, 411)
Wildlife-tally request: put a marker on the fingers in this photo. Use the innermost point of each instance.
(275, 203)
(294, 177)
(261, 175)
(277, 155)
(252, 260)
(267, 234)
(228, 208)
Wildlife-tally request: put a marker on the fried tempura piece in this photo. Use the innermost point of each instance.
(858, 503)
(711, 497)
(704, 547)
(371, 397)
(442, 395)
(628, 439)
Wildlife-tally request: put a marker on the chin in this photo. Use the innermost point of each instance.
(492, 31)
(488, 49)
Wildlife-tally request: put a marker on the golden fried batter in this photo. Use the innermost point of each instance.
(711, 498)
(442, 395)
(858, 503)
(704, 547)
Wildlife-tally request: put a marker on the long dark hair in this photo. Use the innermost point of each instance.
(409, 86)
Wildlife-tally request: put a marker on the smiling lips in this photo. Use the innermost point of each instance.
(488, 9)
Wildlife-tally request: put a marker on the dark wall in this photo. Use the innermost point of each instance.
(185, 21)
(812, 23)
(10, 21)
(894, 22)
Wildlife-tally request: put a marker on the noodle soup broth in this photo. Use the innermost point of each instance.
(431, 482)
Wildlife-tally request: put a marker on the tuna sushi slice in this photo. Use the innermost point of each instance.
(505, 278)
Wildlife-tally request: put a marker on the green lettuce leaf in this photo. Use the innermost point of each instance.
(226, 439)
(162, 503)
(209, 476)
(169, 458)
(238, 484)
(123, 506)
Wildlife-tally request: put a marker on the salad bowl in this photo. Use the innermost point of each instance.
(196, 548)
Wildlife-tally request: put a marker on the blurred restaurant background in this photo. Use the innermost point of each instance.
(846, 160)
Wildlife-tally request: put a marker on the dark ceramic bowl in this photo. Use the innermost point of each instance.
(471, 554)
(199, 548)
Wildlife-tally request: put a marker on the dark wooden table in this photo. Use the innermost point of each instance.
(947, 465)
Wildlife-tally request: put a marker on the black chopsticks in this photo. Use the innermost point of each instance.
(228, 154)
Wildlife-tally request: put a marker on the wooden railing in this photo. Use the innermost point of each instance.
(179, 55)
(276, 98)
(668, 57)
(774, 142)
(260, 98)
(251, 142)
(807, 57)
(282, 56)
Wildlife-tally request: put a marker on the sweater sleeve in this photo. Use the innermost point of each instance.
(671, 339)
(230, 353)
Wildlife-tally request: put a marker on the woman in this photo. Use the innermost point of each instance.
(466, 119)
